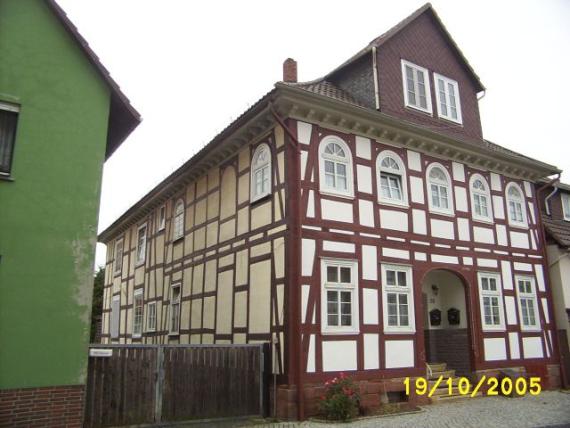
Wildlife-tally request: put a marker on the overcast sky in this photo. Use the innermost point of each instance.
(190, 67)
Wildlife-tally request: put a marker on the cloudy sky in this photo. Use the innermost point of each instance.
(190, 67)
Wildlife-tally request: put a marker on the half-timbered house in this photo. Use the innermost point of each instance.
(360, 222)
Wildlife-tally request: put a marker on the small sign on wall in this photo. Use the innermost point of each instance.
(98, 352)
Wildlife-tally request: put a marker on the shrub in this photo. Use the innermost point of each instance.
(341, 399)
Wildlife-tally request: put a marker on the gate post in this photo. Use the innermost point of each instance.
(159, 382)
(264, 378)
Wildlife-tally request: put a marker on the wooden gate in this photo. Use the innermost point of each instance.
(136, 384)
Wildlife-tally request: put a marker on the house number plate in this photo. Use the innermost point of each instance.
(100, 352)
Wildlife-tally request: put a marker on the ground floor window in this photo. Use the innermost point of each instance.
(137, 312)
(528, 307)
(175, 309)
(398, 298)
(339, 296)
(491, 301)
(151, 317)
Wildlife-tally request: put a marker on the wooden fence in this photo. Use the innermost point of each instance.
(136, 384)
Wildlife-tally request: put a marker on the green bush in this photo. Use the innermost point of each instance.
(341, 399)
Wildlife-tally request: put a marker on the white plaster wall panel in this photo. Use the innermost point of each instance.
(525, 267)
(370, 306)
(259, 297)
(461, 199)
(366, 213)
(458, 171)
(371, 354)
(496, 182)
(483, 234)
(442, 229)
(395, 253)
(304, 132)
(364, 178)
(511, 310)
(417, 190)
(311, 204)
(304, 155)
(369, 262)
(308, 256)
(394, 220)
(343, 247)
(305, 289)
(519, 240)
(337, 211)
(468, 261)
(514, 346)
(444, 259)
(399, 353)
(339, 355)
(506, 275)
(501, 234)
(311, 355)
(487, 263)
(363, 147)
(528, 189)
(540, 277)
(498, 207)
(463, 229)
(422, 257)
(419, 221)
(532, 347)
(531, 210)
(532, 240)
(414, 161)
(545, 309)
(495, 349)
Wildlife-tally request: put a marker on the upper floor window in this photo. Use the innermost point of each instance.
(416, 86)
(339, 296)
(162, 218)
(175, 309)
(8, 124)
(137, 312)
(141, 244)
(398, 298)
(528, 307)
(515, 201)
(151, 317)
(335, 166)
(447, 96)
(491, 301)
(565, 206)
(480, 198)
(391, 178)
(118, 256)
(261, 172)
(439, 182)
(178, 227)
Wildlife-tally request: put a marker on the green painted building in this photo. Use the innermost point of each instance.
(61, 116)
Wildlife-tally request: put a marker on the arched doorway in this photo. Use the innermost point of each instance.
(446, 321)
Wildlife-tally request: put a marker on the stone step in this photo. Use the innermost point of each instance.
(445, 374)
(438, 399)
(443, 383)
(437, 367)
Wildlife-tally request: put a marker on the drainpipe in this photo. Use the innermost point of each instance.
(550, 195)
(375, 74)
(295, 230)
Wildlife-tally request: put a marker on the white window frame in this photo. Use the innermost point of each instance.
(115, 317)
(352, 288)
(118, 265)
(401, 173)
(446, 82)
(486, 194)
(138, 318)
(262, 167)
(527, 296)
(141, 257)
(349, 191)
(12, 108)
(161, 218)
(178, 220)
(498, 294)
(149, 312)
(408, 290)
(565, 201)
(450, 207)
(416, 69)
(513, 221)
(171, 313)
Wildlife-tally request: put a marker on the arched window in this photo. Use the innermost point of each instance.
(515, 202)
(480, 198)
(440, 199)
(178, 226)
(335, 166)
(391, 178)
(260, 172)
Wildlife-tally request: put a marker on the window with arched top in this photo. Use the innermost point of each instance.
(515, 203)
(178, 224)
(391, 175)
(335, 166)
(439, 182)
(260, 172)
(480, 198)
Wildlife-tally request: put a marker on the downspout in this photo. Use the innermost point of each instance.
(296, 303)
(550, 195)
(375, 73)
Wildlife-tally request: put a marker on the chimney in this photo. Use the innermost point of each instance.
(290, 70)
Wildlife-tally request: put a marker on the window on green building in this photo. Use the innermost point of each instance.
(8, 123)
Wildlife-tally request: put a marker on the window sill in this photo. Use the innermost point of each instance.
(443, 213)
(521, 226)
(484, 220)
(450, 120)
(391, 203)
(177, 239)
(139, 263)
(136, 336)
(174, 334)
(337, 195)
(418, 109)
(330, 332)
(528, 329)
(117, 274)
(260, 199)
(493, 329)
(6, 177)
(396, 331)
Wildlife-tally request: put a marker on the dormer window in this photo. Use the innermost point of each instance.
(416, 87)
(447, 96)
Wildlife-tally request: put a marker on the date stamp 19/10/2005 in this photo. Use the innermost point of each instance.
(463, 386)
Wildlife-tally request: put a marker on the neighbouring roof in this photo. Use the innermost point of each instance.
(123, 117)
(325, 88)
(559, 230)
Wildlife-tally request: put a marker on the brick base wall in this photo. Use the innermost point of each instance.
(53, 406)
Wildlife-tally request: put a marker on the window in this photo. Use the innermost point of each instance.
(528, 308)
(161, 218)
(480, 198)
(339, 296)
(137, 313)
(8, 124)
(261, 172)
(392, 186)
(119, 256)
(417, 92)
(447, 96)
(515, 201)
(141, 244)
(151, 316)
(491, 301)
(178, 227)
(335, 167)
(175, 309)
(565, 205)
(440, 199)
(398, 299)
(115, 315)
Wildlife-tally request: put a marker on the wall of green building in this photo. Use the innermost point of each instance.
(48, 214)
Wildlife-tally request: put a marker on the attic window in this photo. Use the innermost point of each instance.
(416, 87)
(447, 96)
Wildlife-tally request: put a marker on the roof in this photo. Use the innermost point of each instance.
(559, 230)
(123, 117)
